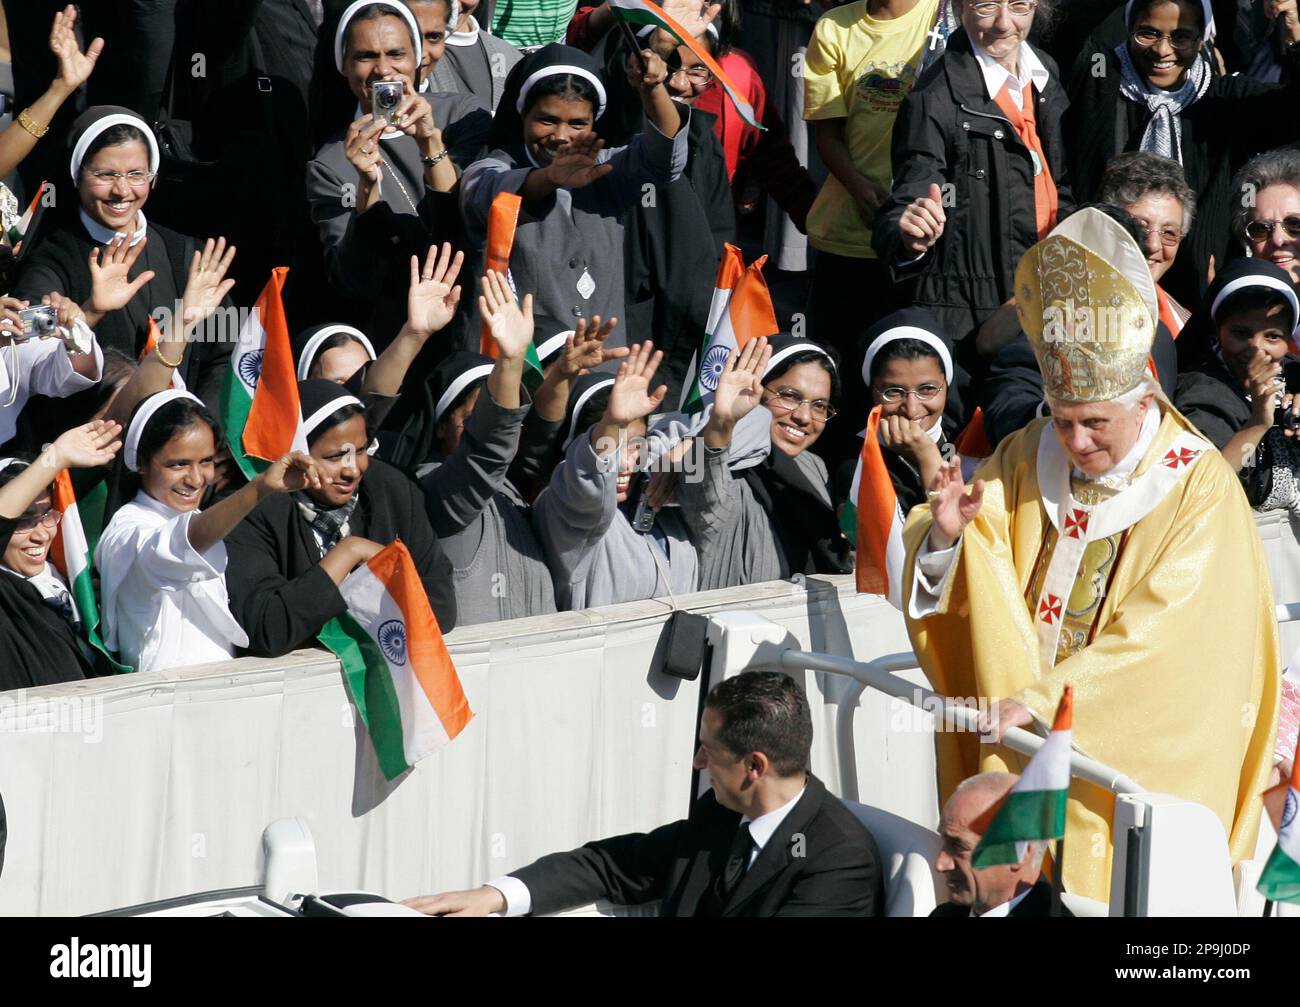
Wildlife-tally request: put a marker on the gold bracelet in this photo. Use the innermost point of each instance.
(169, 363)
(31, 125)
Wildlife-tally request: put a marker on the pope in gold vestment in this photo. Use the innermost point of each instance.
(1162, 619)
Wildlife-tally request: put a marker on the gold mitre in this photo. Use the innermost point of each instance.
(1087, 302)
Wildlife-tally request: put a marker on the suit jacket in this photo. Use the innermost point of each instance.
(821, 861)
(1037, 903)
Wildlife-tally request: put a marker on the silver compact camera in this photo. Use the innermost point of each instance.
(385, 97)
(41, 320)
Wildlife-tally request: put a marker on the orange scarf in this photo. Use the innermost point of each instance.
(1045, 202)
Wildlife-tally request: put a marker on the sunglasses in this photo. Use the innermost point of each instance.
(1262, 230)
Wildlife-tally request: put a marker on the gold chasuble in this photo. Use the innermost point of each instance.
(1148, 593)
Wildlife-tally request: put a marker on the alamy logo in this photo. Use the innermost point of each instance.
(392, 641)
(75, 960)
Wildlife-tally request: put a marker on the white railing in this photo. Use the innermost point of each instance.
(878, 674)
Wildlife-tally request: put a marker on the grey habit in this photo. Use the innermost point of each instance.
(569, 248)
(483, 523)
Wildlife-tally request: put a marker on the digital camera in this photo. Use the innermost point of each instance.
(385, 97)
(40, 320)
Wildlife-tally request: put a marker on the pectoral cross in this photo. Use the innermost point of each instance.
(935, 36)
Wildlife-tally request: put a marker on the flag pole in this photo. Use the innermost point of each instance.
(632, 43)
(1058, 873)
(1268, 908)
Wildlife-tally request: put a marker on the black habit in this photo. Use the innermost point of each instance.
(278, 591)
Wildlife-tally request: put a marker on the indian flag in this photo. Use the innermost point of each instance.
(873, 521)
(395, 663)
(1280, 880)
(741, 310)
(71, 554)
(503, 218)
(19, 229)
(1035, 807)
(643, 12)
(259, 401)
(151, 344)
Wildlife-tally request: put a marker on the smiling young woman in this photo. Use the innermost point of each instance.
(162, 560)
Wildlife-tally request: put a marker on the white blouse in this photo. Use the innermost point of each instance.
(164, 603)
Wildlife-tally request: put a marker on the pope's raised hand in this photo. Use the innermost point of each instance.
(953, 508)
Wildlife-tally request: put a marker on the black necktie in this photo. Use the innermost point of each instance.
(737, 862)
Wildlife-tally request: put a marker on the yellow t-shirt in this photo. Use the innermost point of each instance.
(860, 69)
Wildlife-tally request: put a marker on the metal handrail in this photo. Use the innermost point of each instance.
(878, 674)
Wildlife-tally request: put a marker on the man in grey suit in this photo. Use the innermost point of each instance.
(768, 840)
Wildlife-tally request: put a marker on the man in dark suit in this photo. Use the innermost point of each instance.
(1005, 890)
(767, 841)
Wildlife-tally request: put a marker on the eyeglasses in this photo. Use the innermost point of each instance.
(1184, 40)
(133, 178)
(925, 393)
(790, 400)
(1262, 230)
(698, 74)
(1169, 236)
(50, 519)
(987, 9)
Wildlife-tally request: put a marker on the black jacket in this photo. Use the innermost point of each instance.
(1237, 118)
(278, 591)
(1036, 904)
(59, 262)
(820, 861)
(1216, 403)
(38, 646)
(949, 133)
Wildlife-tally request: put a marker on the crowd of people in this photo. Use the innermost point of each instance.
(525, 413)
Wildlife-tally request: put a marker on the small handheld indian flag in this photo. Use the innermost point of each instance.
(503, 218)
(873, 521)
(71, 554)
(259, 401)
(643, 12)
(741, 310)
(395, 663)
(1035, 807)
(1280, 880)
(151, 344)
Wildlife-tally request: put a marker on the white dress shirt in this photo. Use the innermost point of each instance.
(1005, 908)
(165, 603)
(1029, 68)
(761, 829)
(933, 568)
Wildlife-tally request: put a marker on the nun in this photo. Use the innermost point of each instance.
(379, 188)
(569, 239)
(141, 267)
(333, 352)
(161, 559)
(482, 521)
(778, 518)
(1246, 367)
(907, 368)
(289, 556)
(42, 636)
(1159, 91)
(603, 543)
